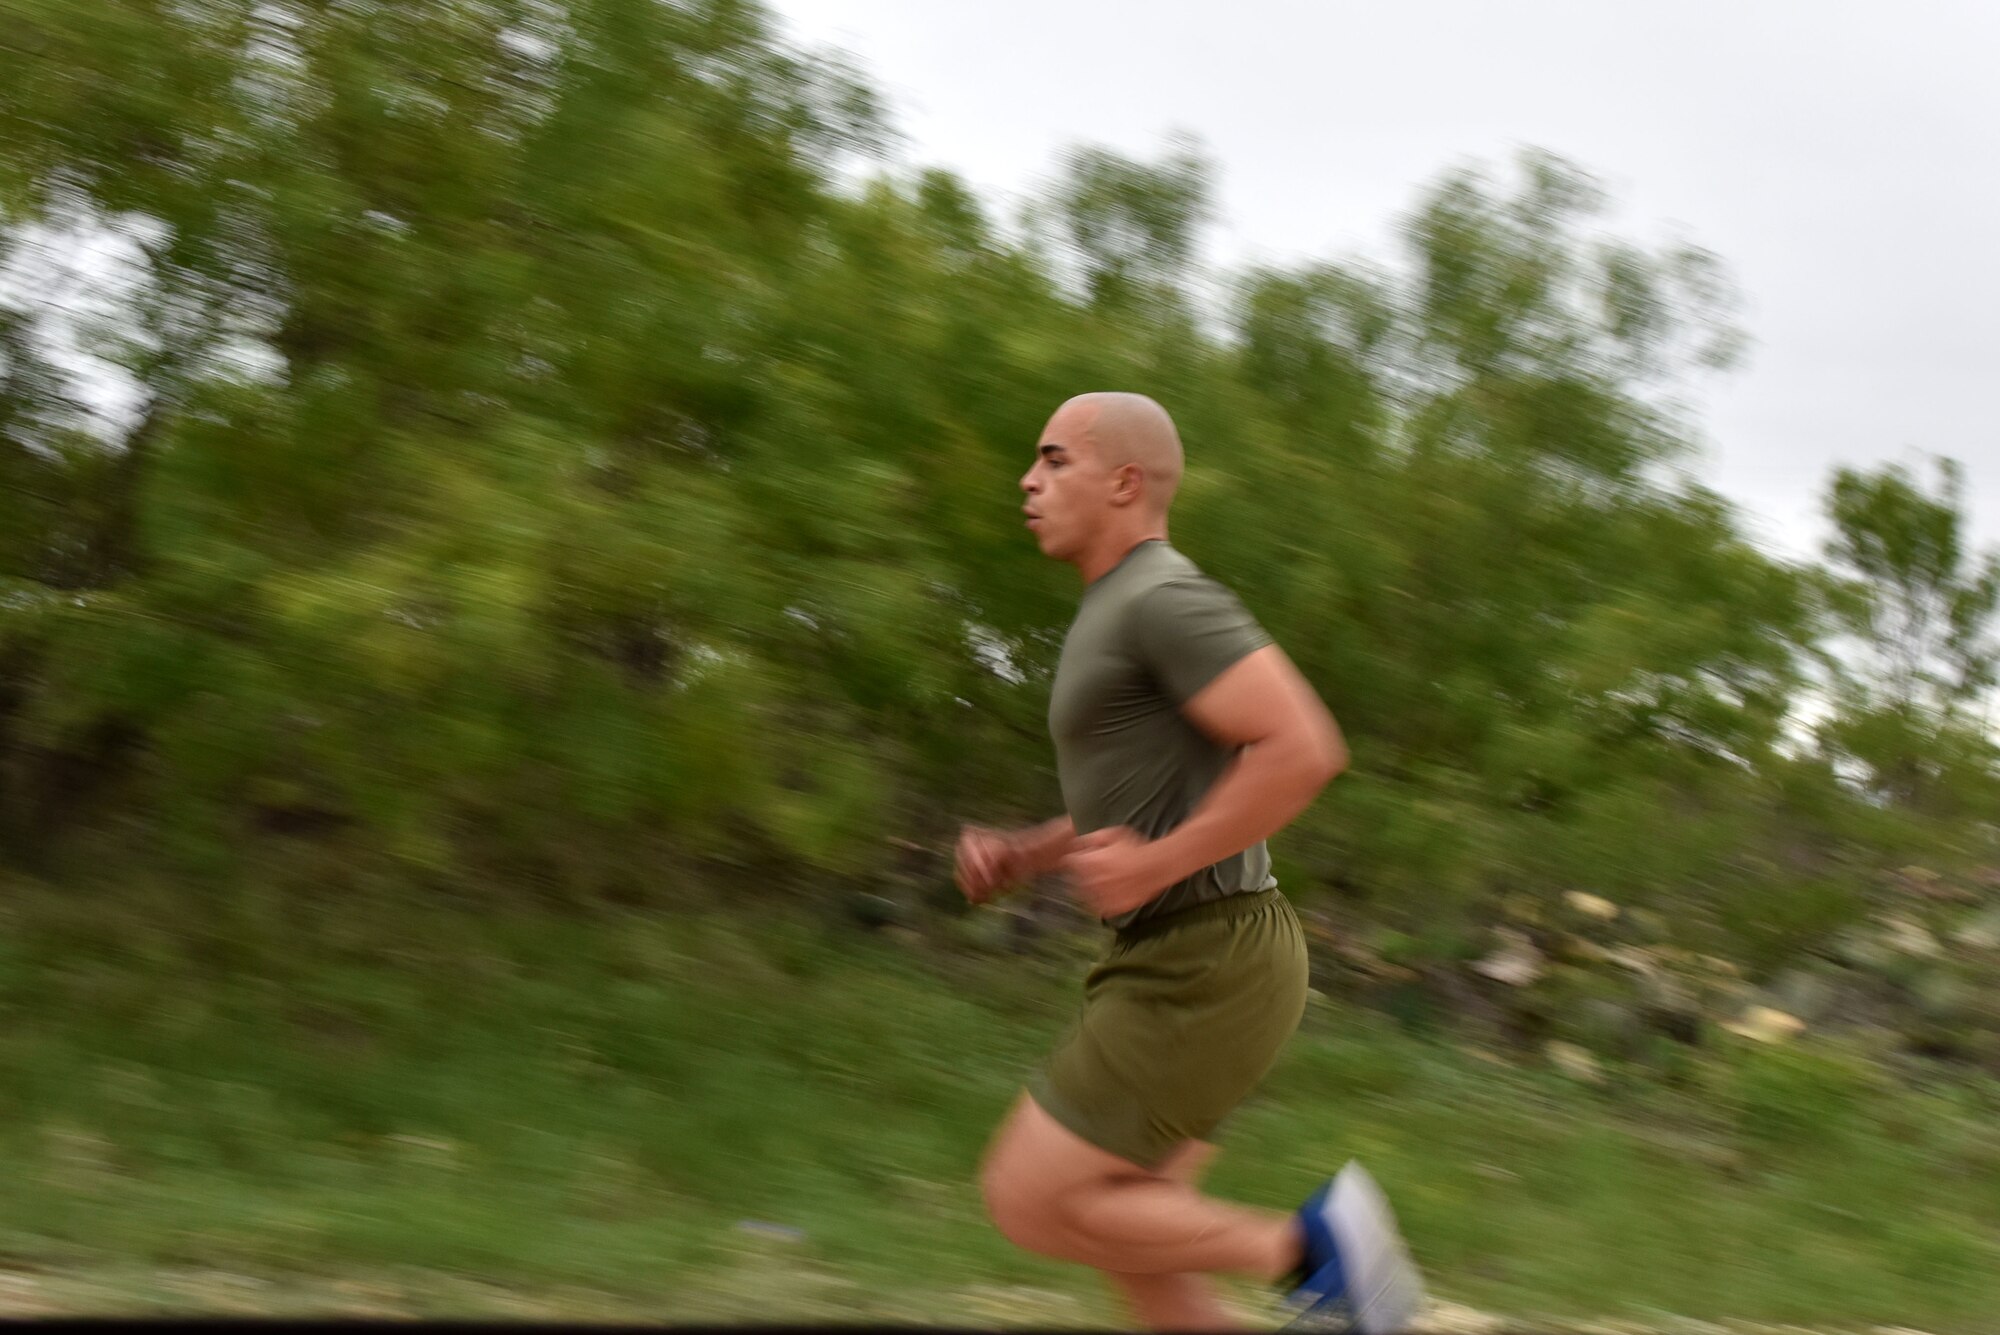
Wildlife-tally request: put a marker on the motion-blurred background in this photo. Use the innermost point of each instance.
(510, 577)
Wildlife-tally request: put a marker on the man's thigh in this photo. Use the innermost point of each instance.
(1032, 1147)
(1189, 1162)
(1054, 1193)
(1037, 1169)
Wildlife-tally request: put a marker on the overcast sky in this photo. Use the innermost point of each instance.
(1843, 159)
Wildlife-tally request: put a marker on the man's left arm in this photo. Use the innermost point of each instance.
(1287, 748)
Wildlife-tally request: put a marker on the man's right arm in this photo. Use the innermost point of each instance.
(993, 861)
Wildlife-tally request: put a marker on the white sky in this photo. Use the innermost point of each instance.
(1843, 159)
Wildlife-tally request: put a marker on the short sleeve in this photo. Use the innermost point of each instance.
(1189, 630)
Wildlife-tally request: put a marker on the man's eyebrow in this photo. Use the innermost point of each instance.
(1053, 448)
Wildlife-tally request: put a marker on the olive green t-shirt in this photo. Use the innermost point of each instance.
(1148, 636)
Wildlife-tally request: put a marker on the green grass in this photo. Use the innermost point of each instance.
(577, 1115)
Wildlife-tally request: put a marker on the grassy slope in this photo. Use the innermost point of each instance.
(587, 1112)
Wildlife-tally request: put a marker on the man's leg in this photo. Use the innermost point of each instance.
(1050, 1191)
(1177, 1302)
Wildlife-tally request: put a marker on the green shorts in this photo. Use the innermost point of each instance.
(1181, 1019)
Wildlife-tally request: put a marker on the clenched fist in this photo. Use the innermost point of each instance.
(1114, 870)
(989, 863)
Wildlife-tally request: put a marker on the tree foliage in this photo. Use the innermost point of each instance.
(557, 466)
(1915, 608)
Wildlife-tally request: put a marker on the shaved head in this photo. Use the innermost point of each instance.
(1106, 467)
(1130, 429)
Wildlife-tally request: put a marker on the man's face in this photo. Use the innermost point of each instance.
(1068, 489)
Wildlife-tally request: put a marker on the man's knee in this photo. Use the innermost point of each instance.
(1038, 1176)
(1019, 1205)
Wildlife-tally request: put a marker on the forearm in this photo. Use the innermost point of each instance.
(1265, 786)
(1040, 849)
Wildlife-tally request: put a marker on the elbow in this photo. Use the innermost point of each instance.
(1333, 754)
(1329, 759)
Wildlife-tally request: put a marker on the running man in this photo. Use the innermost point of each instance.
(1184, 738)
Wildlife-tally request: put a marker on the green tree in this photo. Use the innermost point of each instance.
(1915, 608)
(571, 459)
(1135, 227)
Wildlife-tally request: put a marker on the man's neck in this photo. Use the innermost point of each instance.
(1107, 556)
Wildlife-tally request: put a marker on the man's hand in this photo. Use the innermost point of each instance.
(989, 863)
(1114, 870)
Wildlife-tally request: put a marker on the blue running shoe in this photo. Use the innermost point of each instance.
(1357, 1275)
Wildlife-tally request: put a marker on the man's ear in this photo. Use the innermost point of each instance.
(1131, 484)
